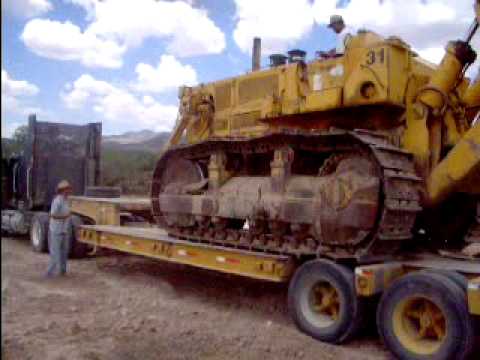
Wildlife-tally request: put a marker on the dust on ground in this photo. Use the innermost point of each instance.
(116, 306)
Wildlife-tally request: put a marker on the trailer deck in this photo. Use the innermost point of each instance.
(108, 211)
(156, 243)
(370, 280)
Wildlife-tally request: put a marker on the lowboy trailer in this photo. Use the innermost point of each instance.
(334, 180)
(429, 304)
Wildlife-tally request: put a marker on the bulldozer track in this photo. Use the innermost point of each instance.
(399, 198)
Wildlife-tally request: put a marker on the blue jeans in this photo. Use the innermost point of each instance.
(58, 246)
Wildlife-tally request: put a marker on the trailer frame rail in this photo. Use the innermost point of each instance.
(156, 243)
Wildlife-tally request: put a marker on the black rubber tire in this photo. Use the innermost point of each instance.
(456, 277)
(351, 308)
(103, 192)
(77, 250)
(448, 296)
(39, 232)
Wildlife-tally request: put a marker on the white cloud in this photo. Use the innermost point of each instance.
(27, 8)
(323, 9)
(15, 96)
(188, 30)
(16, 100)
(434, 54)
(117, 104)
(11, 87)
(65, 41)
(83, 89)
(425, 24)
(280, 23)
(169, 74)
(114, 26)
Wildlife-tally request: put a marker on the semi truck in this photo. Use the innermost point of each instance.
(51, 152)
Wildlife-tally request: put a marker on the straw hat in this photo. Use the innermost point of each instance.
(335, 19)
(63, 185)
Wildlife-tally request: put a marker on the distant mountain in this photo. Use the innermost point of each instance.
(143, 140)
(130, 137)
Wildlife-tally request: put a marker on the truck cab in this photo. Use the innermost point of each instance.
(51, 152)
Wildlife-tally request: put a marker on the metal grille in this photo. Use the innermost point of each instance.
(220, 124)
(223, 96)
(245, 120)
(257, 88)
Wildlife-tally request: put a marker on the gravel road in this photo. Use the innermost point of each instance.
(115, 306)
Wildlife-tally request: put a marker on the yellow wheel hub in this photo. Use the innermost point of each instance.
(325, 302)
(420, 325)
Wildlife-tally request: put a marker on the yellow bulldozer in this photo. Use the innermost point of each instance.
(357, 156)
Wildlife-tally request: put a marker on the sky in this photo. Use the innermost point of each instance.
(121, 62)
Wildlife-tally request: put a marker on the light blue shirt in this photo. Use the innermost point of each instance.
(342, 40)
(59, 208)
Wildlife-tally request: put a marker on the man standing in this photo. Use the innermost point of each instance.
(338, 25)
(59, 230)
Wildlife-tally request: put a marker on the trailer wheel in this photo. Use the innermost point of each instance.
(103, 191)
(323, 303)
(425, 316)
(39, 232)
(456, 277)
(77, 249)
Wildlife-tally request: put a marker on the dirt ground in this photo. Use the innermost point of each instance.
(114, 306)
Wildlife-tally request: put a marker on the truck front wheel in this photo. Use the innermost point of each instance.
(424, 316)
(39, 232)
(323, 303)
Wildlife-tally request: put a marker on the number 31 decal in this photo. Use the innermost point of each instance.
(376, 56)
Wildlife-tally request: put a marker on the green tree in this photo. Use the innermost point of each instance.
(129, 169)
(16, 144)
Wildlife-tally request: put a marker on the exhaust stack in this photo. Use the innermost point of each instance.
(256, 53)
